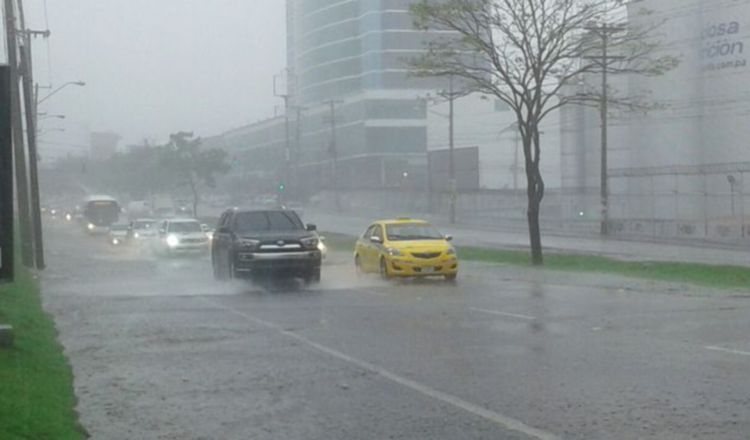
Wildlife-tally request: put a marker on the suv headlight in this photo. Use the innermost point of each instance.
(172, 240)
(393, 252)
(247, 244)
(309, 243)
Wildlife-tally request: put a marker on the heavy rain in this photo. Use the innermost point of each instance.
(356, 219)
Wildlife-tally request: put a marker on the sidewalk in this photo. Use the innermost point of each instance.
(614, 248)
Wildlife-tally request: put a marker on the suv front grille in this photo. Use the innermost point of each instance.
(426, 255)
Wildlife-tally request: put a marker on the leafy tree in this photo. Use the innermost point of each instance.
(186, 164)
(526, 53)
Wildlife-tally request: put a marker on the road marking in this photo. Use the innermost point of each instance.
(510, 315)
(497, 418)
(727, 350)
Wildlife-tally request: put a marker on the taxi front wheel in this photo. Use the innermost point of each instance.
(384, 269)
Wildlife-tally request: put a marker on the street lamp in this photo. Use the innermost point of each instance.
(69, 83)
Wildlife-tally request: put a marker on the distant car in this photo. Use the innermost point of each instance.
(143, 229)
(405, 248)
(181, 236)
(251, 243)
(118, 234)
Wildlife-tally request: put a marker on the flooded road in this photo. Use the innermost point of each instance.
(162, 351)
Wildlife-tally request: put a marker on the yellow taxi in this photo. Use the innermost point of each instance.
(405, 248)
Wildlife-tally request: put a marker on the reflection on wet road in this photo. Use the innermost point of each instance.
(161, 350)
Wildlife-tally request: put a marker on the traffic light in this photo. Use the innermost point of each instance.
(282, 187)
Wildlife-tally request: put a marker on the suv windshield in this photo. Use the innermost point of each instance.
(267, 221)
(412, 231)
(185, 227)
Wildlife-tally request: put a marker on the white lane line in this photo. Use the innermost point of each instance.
(727, 350)
(509, 315)
(504, 421)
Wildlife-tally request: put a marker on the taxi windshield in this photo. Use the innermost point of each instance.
(412, 231)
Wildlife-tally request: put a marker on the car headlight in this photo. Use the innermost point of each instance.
(322, 246)
(68, 217)
(136, 235)
(310, 243)
(115, 241)
(90, 226)
(248, 244)
(172, 240)
(393, 252)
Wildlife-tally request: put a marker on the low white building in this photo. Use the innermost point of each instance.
(488, 125)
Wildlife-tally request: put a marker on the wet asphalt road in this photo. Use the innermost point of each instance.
(161, 351)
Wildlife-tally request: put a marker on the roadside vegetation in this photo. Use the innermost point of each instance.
(36, 382)
(723, 277)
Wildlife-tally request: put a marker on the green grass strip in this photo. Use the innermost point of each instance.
(723, 277)
(36, 383)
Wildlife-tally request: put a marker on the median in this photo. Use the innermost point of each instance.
(36, 382)
(715, 276)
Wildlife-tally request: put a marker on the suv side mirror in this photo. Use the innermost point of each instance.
(311, 227)
(376, 239)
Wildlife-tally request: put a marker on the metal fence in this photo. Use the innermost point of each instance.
(691, 202)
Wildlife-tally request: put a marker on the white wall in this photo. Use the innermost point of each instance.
(480, 123)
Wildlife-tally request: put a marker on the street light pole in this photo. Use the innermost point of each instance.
(57, 90)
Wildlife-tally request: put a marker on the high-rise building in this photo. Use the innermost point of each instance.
(349, 74)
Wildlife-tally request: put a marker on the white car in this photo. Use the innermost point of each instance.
(181, 236)
(142, 229)
(118, 234)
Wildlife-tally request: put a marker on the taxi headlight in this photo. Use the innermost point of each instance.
(172, 240)
(90, 226)
(393, 252)
(451, 251)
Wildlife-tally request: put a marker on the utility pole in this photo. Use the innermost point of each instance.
(31, 134)
(604, 31)
(451, 146)
(7, 251)
(19, 151)
(285, 96)
(297, 148)
(333, 151)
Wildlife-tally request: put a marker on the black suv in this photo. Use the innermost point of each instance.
(250, 243)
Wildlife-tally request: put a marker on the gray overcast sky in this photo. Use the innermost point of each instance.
(158, 66)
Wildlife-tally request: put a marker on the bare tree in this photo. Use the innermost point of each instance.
(526, 53)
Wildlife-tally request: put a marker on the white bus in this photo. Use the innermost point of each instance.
(99, 212)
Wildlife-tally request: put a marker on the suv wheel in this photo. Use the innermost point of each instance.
(313, 277)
